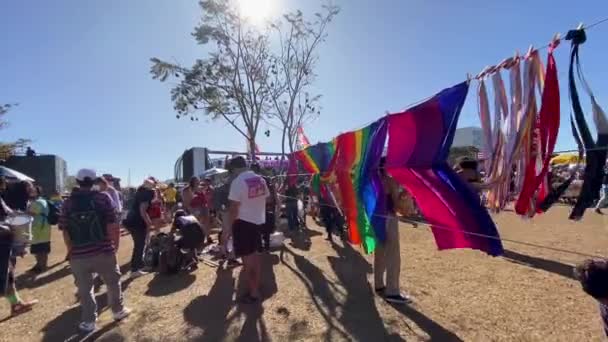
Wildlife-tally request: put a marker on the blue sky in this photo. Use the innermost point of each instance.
(80, 69)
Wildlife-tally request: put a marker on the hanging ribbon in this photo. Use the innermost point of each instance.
(543, 143)
(514, 131)
(595, 150)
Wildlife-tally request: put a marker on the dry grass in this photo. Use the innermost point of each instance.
(316, 291)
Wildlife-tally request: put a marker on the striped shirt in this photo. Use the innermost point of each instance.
(106, 214)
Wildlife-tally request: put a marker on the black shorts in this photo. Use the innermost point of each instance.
(41, 248)
(246, 238)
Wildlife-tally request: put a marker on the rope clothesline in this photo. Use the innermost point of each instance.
(444, 228)
(557, 37)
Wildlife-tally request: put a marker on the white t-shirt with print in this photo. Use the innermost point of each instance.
(251, 191)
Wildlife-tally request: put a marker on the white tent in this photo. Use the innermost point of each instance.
(11, 174)
(213, 172)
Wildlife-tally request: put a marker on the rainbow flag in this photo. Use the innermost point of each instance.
(354, 164)
(316, 158)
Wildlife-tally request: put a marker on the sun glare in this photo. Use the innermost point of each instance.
(257, 11)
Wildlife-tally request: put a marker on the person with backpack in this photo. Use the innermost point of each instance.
(39, 209)
(91, 235)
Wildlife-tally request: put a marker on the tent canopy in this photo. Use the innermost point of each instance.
(11, 174)
(566, 158)
(213, 172)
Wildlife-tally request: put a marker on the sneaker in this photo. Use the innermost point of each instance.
(87, 327)
(124, 313)
(137, 274)
(233, 263)
(398, 299)
(22, 307)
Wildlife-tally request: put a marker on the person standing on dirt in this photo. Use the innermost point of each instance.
(269, 226)
(188, 194)
(91, 234)
(291, 207)
(18, 305)
(221, 204)
(39, 209)
(105, 186)
(387, 257)
(603, 201)
(170, 194)
(139, 223)
(247, 215)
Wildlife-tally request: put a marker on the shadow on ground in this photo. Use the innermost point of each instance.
(65, 326)
(552, 266)
(164, 285)
(212, 312)
(301, 239)
(349, 308)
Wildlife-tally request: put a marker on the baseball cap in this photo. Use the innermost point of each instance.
(86, 173)
(149, 183)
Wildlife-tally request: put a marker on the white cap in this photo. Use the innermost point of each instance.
(86, 173)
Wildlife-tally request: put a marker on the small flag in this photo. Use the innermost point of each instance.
(301, 139)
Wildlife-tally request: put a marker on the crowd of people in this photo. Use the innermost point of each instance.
(242, 208)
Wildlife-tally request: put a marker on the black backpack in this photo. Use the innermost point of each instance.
(53, 216)
(85, 225)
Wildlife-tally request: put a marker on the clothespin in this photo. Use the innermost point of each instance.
(555, 41)
(483, 73)
(577, 36)
(530, 51)
(487, 71)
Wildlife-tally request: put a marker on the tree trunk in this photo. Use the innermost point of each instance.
(291, 143)
(252, 148)
(283, 141)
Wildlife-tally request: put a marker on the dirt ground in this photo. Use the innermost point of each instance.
(317, 291)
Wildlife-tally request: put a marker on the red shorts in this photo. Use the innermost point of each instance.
(155, 211)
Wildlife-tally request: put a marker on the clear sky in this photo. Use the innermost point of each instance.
(80, 69)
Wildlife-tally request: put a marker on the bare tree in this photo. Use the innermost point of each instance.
(293, 70)
(8, 149)
(232, 82)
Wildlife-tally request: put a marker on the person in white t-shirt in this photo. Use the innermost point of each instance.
(247, 216)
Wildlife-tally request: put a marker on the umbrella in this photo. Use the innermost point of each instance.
(14, 175)
(565, 159)
(213, 172)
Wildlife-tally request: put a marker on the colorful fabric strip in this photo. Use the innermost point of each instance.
(418, 146)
